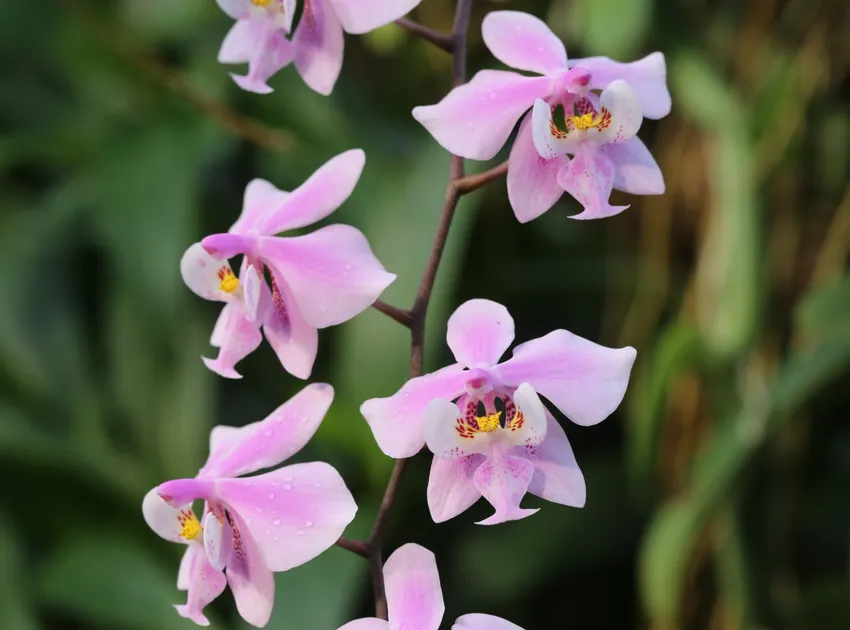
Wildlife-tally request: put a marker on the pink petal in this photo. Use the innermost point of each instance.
(527, 424)
(261, 198)
(293, 513)
(218, 539)
(414, 595)
(557, 477)
(362, 16)
(235, 8)
(319, 46)
(452, 434)
(205, 583)
(474, 120)
(584, 380)
(220, 326)
(269, 51)
(523, 41)
(479, 332)
(532, 181)
(503, 480)
(250, 580)
(635, 170)
(648, 77)
(332, 272)
(477, 621)
(204, 275)
(397, 421)
(183, 570)
(241, 40)
(295, 342)
(451, 490)
(267, 443)
(369, 623)
(319, 196)
(238, 337)
(589, 177)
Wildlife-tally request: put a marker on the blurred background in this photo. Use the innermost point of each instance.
(718, 494)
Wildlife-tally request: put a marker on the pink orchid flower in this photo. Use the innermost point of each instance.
(255, 525)
(260, 37)
(317, 280)
(475, 120)
(415, 597)
(479, 456)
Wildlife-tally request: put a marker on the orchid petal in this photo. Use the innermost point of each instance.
(206, 276)
(451, 490)
(647, 76)
(271, 51)
(474, 120)
(319, 196)
(557, 477)
(396, 422)
(635, 170)
(319, 46)
(454, 434)
(362, 16)
(294, 513)
(295, 342)
(226, 245)
(368, 623)
(625, 118)
(205, 583)
(503, 480)
(479, 332)
(238, 337)
(584, 380)
(251, 581)
(166, 521)
(235, 8)
(261, 198)
(255, 293)
(218, 334)
(532, 180)
(477, 621)
(332, 272)
(589, 177)
(527, 427)
(523, 41)
(269, 442)
(218, 540)
(241, 40)
(414, 595)
(549, 141)
(183, 569)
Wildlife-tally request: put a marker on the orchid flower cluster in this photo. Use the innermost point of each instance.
(487, 422)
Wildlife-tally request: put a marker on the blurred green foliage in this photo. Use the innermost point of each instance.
(717, 496)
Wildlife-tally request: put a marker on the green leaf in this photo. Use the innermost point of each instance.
(614, 28)
(17, 610)
(822, 314)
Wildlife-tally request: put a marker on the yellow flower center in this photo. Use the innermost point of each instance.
(585, 121)
(229, 282)
(262, 3)
(487, 424)
(191, 525)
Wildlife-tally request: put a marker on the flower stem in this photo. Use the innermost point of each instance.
(419, 311)
(438, 39)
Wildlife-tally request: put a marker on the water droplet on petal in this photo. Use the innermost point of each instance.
(287, 486)
(276, 521)
(271, 496)
(287, 478)
(318, 484)
(300, 532)
(308, 523)
(269, 433)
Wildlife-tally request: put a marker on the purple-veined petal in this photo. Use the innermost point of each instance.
(584, 380)
(319, 196)
(396, 421)
(319, 46)
(635, 170)
(503, 480)
(175, 524)
(255, 294)
(477, 621)
(557, 477)
(479, 332)
(451, 490)
(549, 141)
(205, 583)
(362, 16)
(368, 623)
(647, 76)
(273, 52)
(236, 8)
(623, 111)
(295, 342)
(183, 569)
(523, 41)
(293, 513)
(208, 277)
(218, 539)
(267, 443)
(532, 180)
(589, 177)
(332, 272)
(474, 120)
(238, 337)
(261, 198)
(414, 594)
(251, 581)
